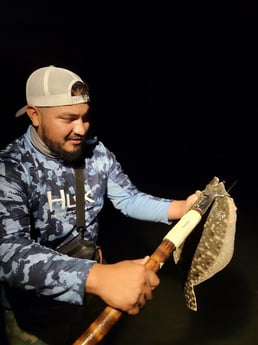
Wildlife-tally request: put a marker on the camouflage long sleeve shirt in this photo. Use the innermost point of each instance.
(37, 192)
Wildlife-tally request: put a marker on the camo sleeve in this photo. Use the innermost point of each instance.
(24, 263)
(131, 201)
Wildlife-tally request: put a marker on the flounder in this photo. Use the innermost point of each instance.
(215, 247)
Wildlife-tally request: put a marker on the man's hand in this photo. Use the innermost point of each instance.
(126, 285)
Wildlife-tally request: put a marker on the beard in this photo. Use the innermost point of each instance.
(75, 156)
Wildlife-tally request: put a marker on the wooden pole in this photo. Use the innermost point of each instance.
(110, 316)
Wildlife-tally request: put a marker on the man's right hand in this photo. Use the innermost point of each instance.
(126, 285)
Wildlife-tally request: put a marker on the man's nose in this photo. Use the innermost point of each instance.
(80, 127)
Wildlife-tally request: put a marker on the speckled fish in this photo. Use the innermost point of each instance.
(215, 247)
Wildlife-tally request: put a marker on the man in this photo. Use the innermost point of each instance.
(48, 291)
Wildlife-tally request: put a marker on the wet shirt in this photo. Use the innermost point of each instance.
(37, 208)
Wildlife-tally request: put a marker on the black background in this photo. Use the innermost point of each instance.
(174, 95)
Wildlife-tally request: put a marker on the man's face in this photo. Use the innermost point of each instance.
(63, 129)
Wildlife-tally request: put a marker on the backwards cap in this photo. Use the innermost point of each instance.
(51, 86)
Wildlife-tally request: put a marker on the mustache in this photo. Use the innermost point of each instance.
(76, 137)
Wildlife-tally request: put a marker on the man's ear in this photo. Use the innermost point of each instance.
(33, 114)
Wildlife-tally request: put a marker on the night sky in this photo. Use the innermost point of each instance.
(173, 84)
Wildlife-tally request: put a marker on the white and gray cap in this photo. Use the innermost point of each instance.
(51, 86)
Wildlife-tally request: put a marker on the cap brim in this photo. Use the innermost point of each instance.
(21, 111)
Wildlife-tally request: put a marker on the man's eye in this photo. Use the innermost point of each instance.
(68, 119)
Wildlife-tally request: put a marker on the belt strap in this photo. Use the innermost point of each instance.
(80, 200)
